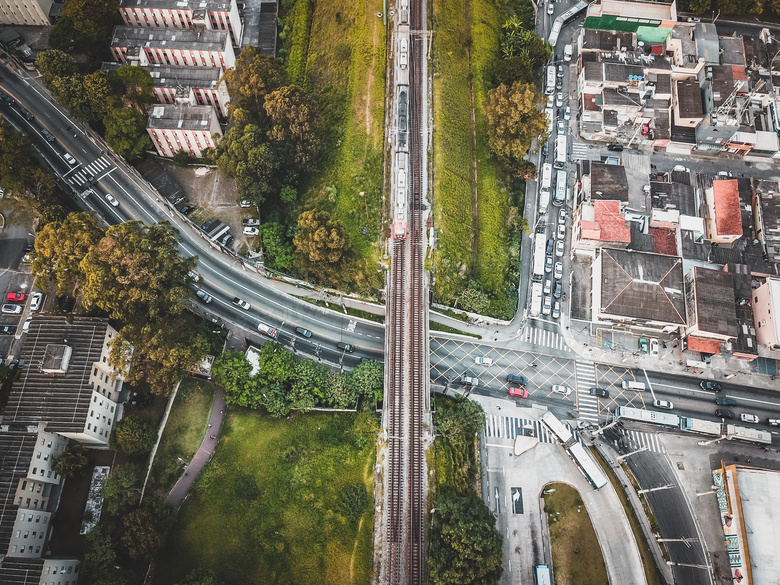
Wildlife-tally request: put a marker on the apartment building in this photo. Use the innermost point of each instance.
(766, 304)
(201, 85)
(162, 46)
(724, 213)
(16, 571)
(184, 14)
(183, 126)
(67, 383)
(25, 12)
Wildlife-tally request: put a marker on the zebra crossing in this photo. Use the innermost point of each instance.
(82, 174)
(586, 379)
(509, 427)
(551, 339)
(579, 151)
(637, 439)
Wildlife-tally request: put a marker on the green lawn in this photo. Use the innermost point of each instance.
(183, 433)
(576, 554)
(346, 66)
(268, 508)
(468, 247)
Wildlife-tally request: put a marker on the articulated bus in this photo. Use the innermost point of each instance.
(544, 187)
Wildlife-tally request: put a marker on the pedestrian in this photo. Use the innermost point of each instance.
(209, 425)
(221, 412)
(186, 474)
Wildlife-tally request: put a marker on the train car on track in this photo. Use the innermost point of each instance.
(401, 190)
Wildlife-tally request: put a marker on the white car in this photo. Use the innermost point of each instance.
(550, 7)
(267, 329)
(26, 326)
(567, 113)
(665, 404)
(559, 248)
(560, 389)
(251, 231)
(194, 276)
(558, 274)
(556, 312)
(559, 100)
(561, 233)
(562, 216)
(112, 200)
(653, 347)
(10, 309)
(748, 418)
(547, 308)
(36, 301)
(69, 159)
(547, 287)
(681, 169)
(202, 294)
(561, 128)
(483, 361)
(241, 303)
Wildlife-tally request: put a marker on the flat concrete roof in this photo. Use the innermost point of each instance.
(759, 492)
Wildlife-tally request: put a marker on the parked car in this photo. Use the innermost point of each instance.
(653, 347)
(26, 324)
(303, 332)
(346, 347)
(251, 231)
(483, 361)
(599, 392)
(615, 147)
(560, 233)
(516, 379)
(567, 113)
(748, 418)
(518, 392)
(559, 101)
(267, 329)
(559, 83)
(241, 303)
(547, 307)
(548, 264)
(561, 128)
(644, 346)
(711, 385)
(202, 294)
(562, 216)
(251, 221)
(550, 245)
(560, 70)
(11, 309)
(681, 169)
(36, 301)
(559, 248)
(693, 19)
(469, 380)
(547, 287)
(774, 422)
(15, 297)
(245, 203)
(558, 290)
(7, 329)
(69, 159)
(558, 272)
(187, 209)
(725, 413)
(112, 200)
(560, 389)
(665, 404)
(550, 7)
(556, 311)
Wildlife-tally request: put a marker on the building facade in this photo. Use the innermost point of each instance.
(25, 12)
(183, 126)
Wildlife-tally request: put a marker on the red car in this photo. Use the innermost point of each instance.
(519, 392)
(15, 297)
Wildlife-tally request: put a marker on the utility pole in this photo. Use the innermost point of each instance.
(655, 489)
(621, 457)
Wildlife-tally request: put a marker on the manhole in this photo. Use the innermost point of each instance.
(680, 466)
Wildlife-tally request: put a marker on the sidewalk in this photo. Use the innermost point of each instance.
(181, 490)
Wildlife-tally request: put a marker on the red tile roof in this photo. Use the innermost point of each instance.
(613, 224)
(703, 345)
(728, 217)
(664, 241)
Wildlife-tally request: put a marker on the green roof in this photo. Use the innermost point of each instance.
(620, 23)
(653, 34)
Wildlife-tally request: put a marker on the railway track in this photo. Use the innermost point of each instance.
(405, 500)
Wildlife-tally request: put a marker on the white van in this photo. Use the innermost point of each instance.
(635, 386)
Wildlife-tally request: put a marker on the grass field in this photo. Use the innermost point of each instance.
(456, 471)
(183, 433)
(577, 558)
(269, 507)
(468, 246)
(346, 66)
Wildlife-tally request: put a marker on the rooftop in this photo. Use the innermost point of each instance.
(707, 44)
(607, 40)
(613, 97)
(608, 224)
(177, 75)
(728, 214)
(209, 5)
(663, 83)
(16, 452)
(746, 343)
(182, 117)
(733, 51)
(689, 99)
(642, 286)
(722, 83)
(715, 301)
(667, 195)
(171, 39)
(608, 182)
(21, 571)
(59, 399)
(770, 214)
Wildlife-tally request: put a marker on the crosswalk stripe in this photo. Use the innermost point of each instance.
(506, 427)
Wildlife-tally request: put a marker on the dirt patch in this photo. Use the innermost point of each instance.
(214, 196)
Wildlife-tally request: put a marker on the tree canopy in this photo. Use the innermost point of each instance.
(72, 461)
(85, 26)
(322, 246)
(515, 119)
(249, 81)
(122, 489)
(134, 436)
(460, 424)
(126, 132)
(465, 547)
(295, 121)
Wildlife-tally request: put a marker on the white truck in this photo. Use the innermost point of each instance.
(567, 53)
(536, 299)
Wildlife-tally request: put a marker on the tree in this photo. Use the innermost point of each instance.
(368, 379)
(295, 121)
(278, 250)
(465, 547)
(122, 489)
(99, 562)
(88, 98)
(136, 85)
(231, 371)
(16, 159)
(310, 383)
(200, 577)
(511, 69)
(288, 194)
(145, 530)
(54, 64)
(85, 26)
(60, 247)
(251, 79)
(136, 273)
(354, 501)
(72, 461)
(473, 298)
(458, 425)
(340, 393)
(133, 436)
(322, 246)
(276, 364)
(515, 119)
(126, 132)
